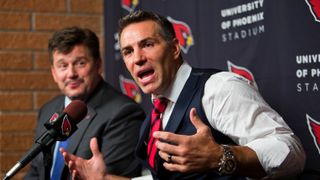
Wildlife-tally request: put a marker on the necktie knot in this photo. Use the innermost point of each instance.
(160, 104)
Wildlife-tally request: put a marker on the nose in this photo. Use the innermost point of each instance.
(72, 73)
(139, 57)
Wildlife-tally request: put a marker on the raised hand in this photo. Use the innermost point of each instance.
(198, 152)
(91, 169)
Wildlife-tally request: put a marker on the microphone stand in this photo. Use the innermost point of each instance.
(45, 140)
(47, 162)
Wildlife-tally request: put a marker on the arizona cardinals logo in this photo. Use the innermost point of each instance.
(65, 126)
(130, 88)
(244, 72)
(129, 5)
(183, 33)
(314, 6)
(54, 117)
(314, 128)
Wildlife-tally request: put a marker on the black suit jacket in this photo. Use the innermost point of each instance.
(112, 117)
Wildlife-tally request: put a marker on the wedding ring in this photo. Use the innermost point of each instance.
(170, 158)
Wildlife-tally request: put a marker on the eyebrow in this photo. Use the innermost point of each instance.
(77, 58)
(140, 42)
(58, 61)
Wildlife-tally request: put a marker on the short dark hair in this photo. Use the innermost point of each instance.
(65, 39)
(167, 30)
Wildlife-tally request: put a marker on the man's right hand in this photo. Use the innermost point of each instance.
(91, 169)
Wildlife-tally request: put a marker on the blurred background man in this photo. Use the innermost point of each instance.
(112, 117)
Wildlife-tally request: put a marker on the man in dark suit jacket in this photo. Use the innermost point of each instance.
(113, 118)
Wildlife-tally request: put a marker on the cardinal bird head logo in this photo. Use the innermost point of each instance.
(129, 5)
(314, 7)
(66, 126)
(242, 71)
(54, 117)
(314, 129)
(129, 88)
(183, 33)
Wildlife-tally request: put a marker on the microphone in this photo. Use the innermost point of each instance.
(59, 127)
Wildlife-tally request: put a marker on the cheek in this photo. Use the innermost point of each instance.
(167, 70)
(58, 77)
(88, 77)
(87, 72)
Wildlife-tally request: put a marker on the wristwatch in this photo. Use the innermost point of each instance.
(228, 163)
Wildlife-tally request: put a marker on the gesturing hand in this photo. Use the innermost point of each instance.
(198, 152)
(91, 169)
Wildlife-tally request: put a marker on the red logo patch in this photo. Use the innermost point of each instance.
(54, 117)
(314, 128)
(129, 5)
(129, 88)
(242, 71)
(314, 7)
(183, 34)
(65, 126)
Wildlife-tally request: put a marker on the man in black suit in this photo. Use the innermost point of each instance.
(113, 118)
(214, 124)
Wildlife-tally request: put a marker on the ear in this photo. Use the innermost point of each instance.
(100, 66)
(176, 48)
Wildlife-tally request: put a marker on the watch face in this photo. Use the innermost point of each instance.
(227, 163)
(229, 166)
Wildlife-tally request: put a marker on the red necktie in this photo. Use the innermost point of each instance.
(159, 106)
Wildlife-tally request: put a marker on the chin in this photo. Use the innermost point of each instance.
(76, 96)
(147, 90)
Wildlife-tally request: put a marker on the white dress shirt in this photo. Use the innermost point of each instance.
(235, 108)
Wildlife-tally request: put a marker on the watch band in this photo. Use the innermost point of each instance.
(228, 163)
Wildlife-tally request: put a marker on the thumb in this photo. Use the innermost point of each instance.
(94, 146)
(195, 119)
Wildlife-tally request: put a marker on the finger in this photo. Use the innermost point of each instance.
(94, 146)
(74, 172)
(174, 158)
(67, 156)
(169, 137)
(168, 148)
(70, 166)
(174, 167)
(195, 119)
(74, 175)
(164, 156)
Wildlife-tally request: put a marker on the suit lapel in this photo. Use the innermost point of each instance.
(144, 131)
(92, 103)
(82, 127)
(141, 149)
(183, 102)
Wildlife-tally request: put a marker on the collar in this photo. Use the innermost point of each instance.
(175, 88)
(67, 101)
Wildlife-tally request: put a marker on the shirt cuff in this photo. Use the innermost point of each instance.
(271, 152)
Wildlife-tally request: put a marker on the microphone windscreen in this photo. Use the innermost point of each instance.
(76, 110)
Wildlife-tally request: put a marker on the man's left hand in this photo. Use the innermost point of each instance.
(190, 153)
